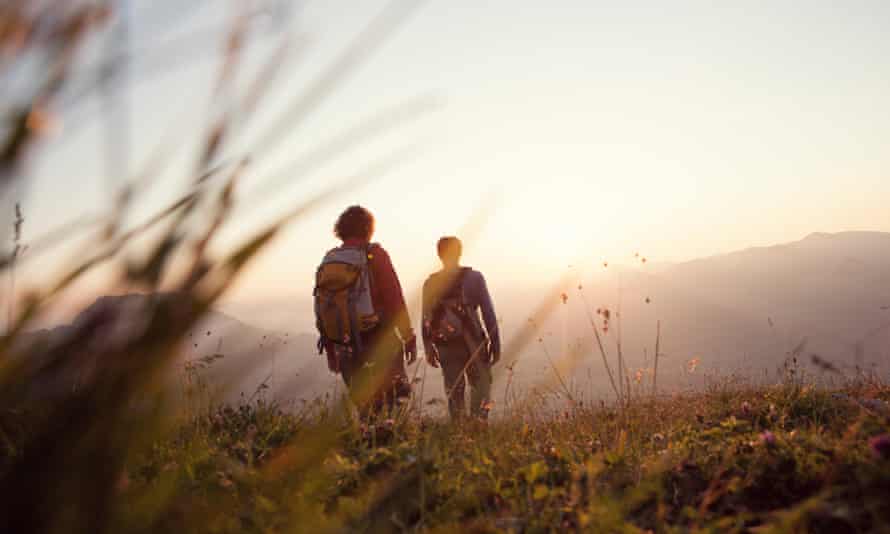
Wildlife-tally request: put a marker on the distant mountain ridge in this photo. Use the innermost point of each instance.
(741, 311)
(738, 312)
(286, 362)
(828, 288)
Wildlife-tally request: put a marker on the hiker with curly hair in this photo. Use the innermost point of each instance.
(362, 318)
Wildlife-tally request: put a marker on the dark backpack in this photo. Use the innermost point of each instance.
(451, 317)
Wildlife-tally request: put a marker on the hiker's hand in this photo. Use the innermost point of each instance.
(333, 361)
(494, 351)
(432, 357)
(411, 350)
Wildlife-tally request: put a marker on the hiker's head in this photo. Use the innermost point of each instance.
(355, 223)
(450, 249)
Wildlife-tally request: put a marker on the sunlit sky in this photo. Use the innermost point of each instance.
(585, 130)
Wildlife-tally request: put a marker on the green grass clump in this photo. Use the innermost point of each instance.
(757, 460)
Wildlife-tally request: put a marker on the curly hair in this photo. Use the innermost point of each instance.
(355, 222)
(449, 247)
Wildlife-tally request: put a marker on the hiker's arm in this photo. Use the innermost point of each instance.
(390, 290)
(488, 315)
(426, 327)
(333, 358)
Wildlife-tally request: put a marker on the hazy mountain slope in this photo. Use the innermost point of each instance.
(737, 312)
(828, 287)
(741, 311)
(287, 362)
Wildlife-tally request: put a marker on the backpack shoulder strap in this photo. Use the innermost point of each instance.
(461, 277)
(369, 255)
(328, 254)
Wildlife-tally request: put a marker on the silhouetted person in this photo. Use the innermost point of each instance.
(452, 332)
(362, 318)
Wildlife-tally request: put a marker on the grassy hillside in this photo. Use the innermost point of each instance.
(93, 441)
(788, 458)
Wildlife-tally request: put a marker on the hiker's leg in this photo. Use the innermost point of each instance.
(479, 374)
(401, 391)
(367, 379)
(456, 389)
(396, 384)
(453, 357)
(396, 391)
(353, 372)
(400, 384)
(387, 373)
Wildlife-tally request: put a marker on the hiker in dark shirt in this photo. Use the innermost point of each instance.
(453, 337)
(372, 362)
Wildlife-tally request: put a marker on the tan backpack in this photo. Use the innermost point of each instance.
(343, 305)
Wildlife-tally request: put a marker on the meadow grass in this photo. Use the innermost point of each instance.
(785, 458)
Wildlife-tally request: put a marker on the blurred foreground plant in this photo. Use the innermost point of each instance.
(75, 412)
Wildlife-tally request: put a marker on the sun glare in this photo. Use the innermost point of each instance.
(554, 229)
